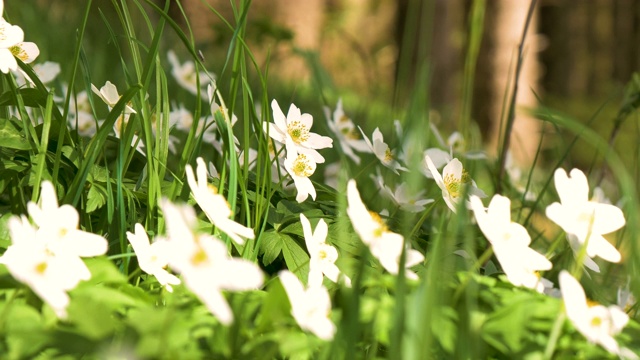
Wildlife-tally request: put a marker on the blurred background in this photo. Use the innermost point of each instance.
(578, 55)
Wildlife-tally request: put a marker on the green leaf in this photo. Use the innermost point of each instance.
(25, 331)
(270, 246)
(103, 271)
(96, 198)
(11, 136)
(295, 257)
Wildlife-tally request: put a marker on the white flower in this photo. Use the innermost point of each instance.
(50, 274)
(204, 262)
(109, 94)
(453, 178)
(510, 242)
(386, 246)
(597, 323)
(322, 256)
(214, 205)
(310, 307)
(61, 226)
(185, 74)
(300, 167)
(294, 131)
(153, 258)
(10, 36)
(409, 202)
(46, 72)
(348, 137)
(439, 158)
(586, 220)
(381, 150)
(47, 257)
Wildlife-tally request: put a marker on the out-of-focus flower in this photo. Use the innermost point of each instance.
(109, 94)
(386, 246)
(348, 136)
(47, 257)
(81, 114)
(405, 200)
(310, 307)
(510, 242)
(185, 74)
(153, 258)
(585, 221)
(294, 131)
(381, 150)
(453, 178)
(214, 205)
(597, 323)
(46, 72)
(60, 223)
(204, 262)
(300, 167)
(322, 256)
(439, 158)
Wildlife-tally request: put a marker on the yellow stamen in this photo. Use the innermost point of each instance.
(301, 166)
(298, 132)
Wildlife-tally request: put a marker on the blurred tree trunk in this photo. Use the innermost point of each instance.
(504, 23)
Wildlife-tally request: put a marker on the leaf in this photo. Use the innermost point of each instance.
(25, 331)
(96, 198)
(103, 271)
(295, 257)
(270, 246)
(11, 136)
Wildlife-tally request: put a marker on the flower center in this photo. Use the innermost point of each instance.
(388, 156)
(199, 258)
(596, 321)
(453, 185)
(322, 254)
(298, 132)
(41, 268)
(19, 52)
(301, 166)
(382, 227)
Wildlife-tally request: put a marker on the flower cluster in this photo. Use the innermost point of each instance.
(302, 145)
(584, 221)
(47, 256)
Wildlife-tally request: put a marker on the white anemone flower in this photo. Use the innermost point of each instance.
(510, 242)
(300, 167)
(348, 136)
(310, 307)
(439, 158)
(322, 256)
(60, 223)
(585, 221)
(185, 74)
(153, 258)
(214, 205)
(10, 36)
(382, 151)
(294, 131)
(204, 262)
(47, 257)
(407, 201)
(599, 324)
(386, 246)
(49, 273)
(109, 94)
(451, 182)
